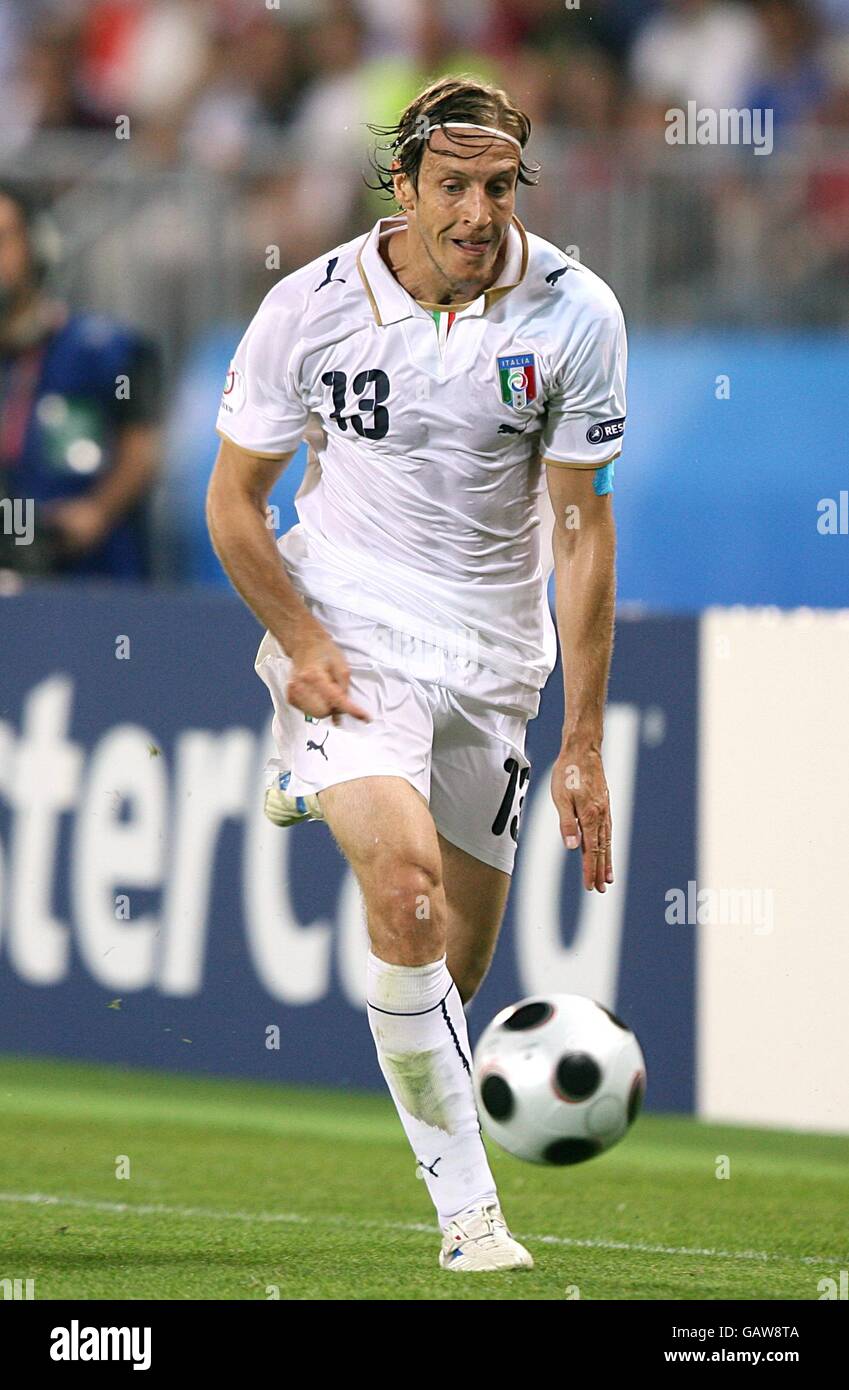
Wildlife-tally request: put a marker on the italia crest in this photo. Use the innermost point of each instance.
(517, 376)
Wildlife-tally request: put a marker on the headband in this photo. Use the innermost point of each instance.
(465, 125)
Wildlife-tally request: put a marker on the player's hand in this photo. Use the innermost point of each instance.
(579, 790)
(320, 677)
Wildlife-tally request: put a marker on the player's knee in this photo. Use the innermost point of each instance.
(404, 905)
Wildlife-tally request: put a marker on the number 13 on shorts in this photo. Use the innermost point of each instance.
(510, 811)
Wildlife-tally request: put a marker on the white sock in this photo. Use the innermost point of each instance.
(419, 1028)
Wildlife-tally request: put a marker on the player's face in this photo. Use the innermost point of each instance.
(465, 205)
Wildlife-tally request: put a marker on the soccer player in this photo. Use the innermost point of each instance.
(456, 364)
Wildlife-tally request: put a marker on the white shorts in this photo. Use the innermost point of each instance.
(465, 756)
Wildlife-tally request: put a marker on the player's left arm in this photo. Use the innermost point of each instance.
(584, 543)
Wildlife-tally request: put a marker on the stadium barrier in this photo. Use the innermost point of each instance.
(773, 814)
(150, 916)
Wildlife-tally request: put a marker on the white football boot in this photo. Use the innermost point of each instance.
(478, 1239)
(284, 809)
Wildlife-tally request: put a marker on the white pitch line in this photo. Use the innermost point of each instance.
(38, 1199)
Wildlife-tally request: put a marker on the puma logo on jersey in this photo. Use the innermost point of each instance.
(554, 276)
(512, 429)
(328, 275)
(318, 747)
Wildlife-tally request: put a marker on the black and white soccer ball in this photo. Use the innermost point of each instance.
(558, 1079)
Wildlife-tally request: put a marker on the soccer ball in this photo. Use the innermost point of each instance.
(558, 1079)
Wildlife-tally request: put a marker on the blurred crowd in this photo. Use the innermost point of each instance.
(204, 78)
(271, 87)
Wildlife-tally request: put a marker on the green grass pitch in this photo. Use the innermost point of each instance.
(238, 1190)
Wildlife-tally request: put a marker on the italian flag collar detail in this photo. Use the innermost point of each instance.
(443, 318)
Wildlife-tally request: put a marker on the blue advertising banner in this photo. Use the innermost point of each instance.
(151, 916)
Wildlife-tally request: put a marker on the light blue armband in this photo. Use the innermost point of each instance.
(603, 478)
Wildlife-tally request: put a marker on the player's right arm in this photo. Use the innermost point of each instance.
(236, 516)
(261, 421)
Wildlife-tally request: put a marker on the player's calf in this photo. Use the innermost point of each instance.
(386, 832)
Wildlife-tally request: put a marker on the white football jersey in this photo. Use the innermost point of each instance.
(424, 504)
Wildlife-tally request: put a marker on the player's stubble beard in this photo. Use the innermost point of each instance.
(409, 268)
